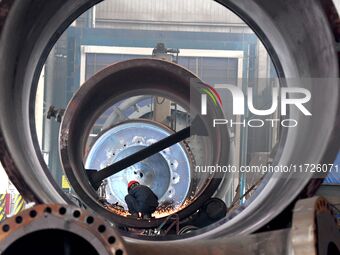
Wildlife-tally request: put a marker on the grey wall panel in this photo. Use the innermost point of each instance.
(174, 15)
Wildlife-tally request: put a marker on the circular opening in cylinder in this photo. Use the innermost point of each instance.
(52, 241)
(150, 85)
(76, 54)
(214, 64)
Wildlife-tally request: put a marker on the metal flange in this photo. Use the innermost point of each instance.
(55, 229)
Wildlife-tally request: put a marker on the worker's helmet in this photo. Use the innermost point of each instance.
(132, 183)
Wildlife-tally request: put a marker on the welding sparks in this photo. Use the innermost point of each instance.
(161, 212)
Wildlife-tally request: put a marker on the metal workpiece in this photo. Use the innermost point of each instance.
(167, 173)
(58, 229)
(315, 229)
(141, 77)
(276, 242)
(297, 35)
(29, 20)
(283, 27)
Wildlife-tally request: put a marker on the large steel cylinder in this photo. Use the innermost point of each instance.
(298, 36)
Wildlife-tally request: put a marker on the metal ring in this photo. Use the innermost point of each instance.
(39, 24)
(54, 221)
(140, 77)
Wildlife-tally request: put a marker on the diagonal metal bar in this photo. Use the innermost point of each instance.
(96, 177)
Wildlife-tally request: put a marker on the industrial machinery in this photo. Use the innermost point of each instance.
(52, 225)
(153, 149)
(178, 186)
(69, 230)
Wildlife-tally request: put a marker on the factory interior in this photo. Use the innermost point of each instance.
(132, 127)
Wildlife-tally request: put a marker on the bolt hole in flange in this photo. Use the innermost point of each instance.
(24, 62)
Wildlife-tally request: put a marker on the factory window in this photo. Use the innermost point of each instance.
(213, 70)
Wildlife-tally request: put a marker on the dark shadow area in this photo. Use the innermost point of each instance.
(333, 249)
(52, 242)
